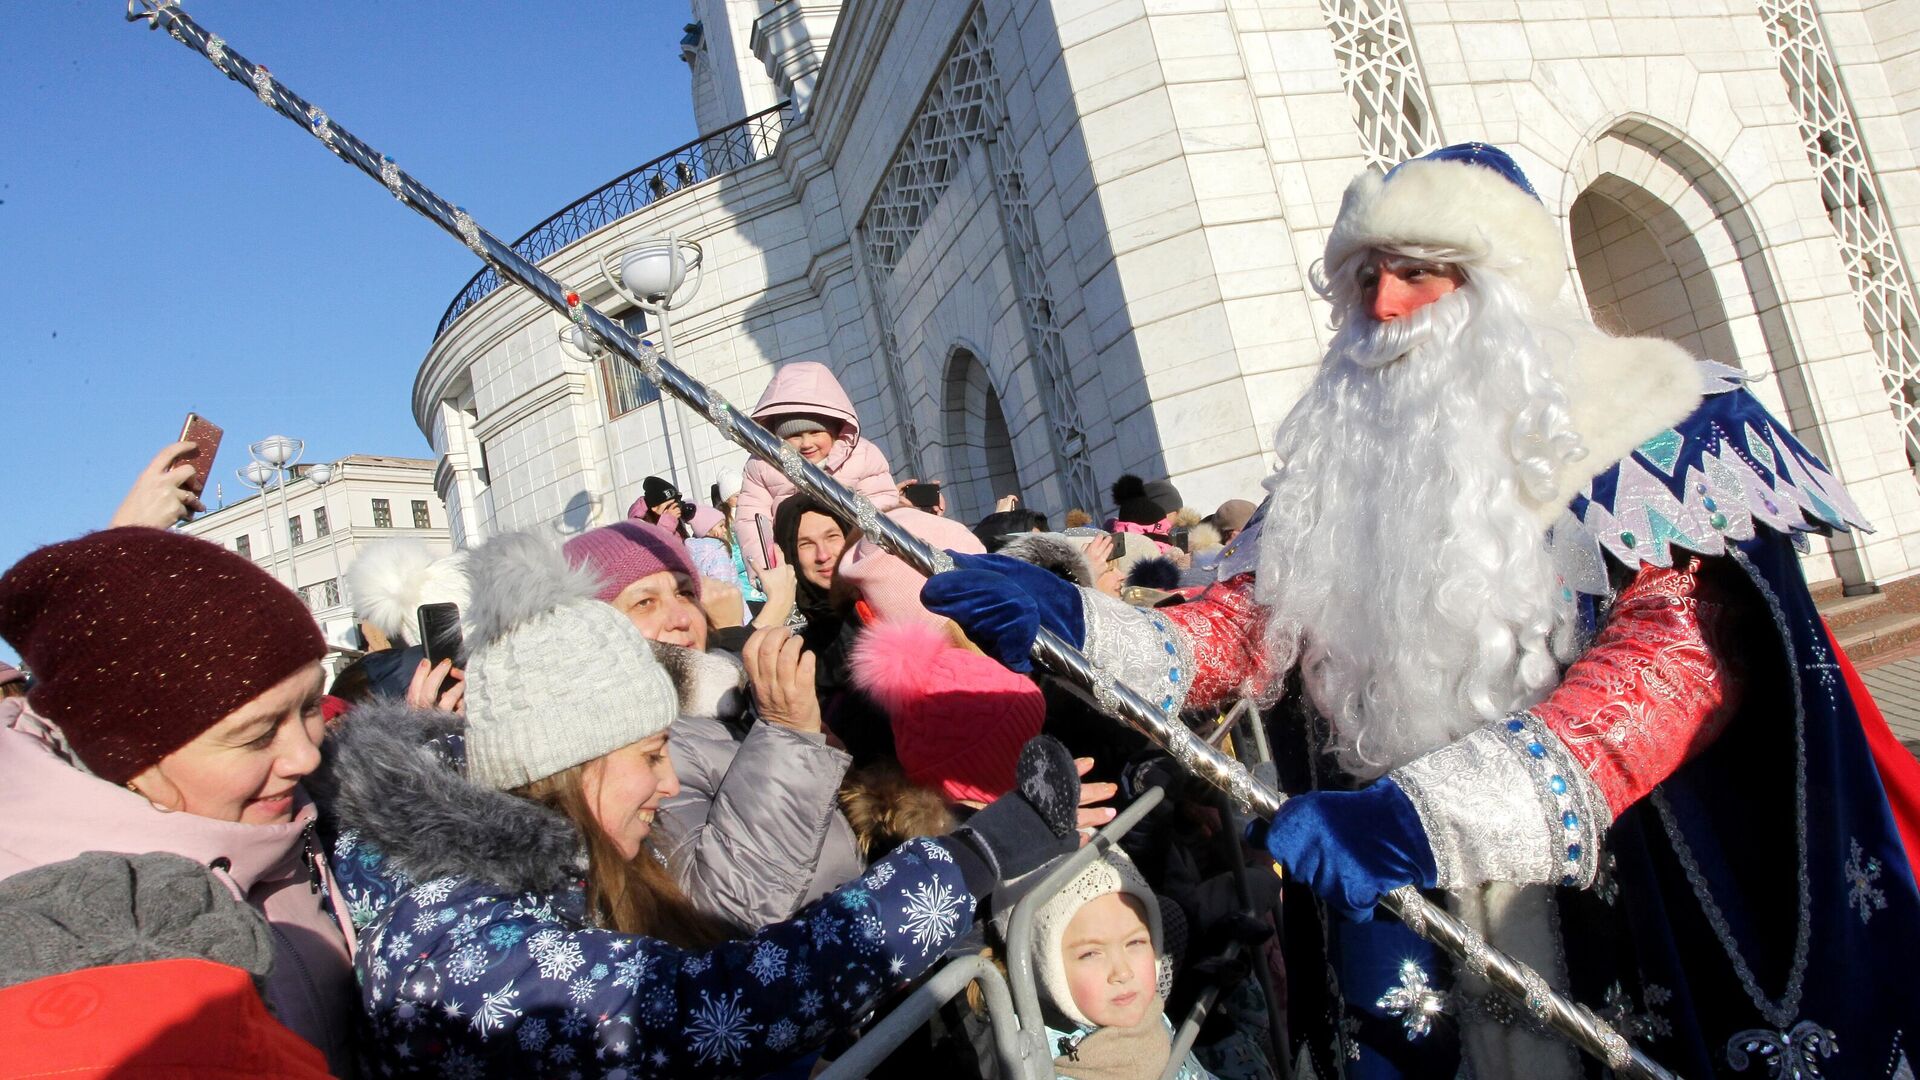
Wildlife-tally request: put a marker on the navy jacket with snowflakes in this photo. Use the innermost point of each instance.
(477, 959)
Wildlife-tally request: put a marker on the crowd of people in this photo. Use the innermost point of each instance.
(701, 789)
(704, 791)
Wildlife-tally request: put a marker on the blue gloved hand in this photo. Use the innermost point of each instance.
(1001, 603)
(1352, 847)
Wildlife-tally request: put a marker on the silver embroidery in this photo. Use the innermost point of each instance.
(1793, 1054)
(1863, 895)
(1645, 1026)
(1141, 649)
(1782, 1013)
(1413, 1000)
(1493, 812)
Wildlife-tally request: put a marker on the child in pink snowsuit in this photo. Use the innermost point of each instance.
(805, 406)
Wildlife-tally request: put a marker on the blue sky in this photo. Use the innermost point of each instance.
(167, 243)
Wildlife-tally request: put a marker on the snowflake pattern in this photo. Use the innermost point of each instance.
(933, 910)
(532, 1035)
(496, 1008)
(769, 962)
(1637, 1026)
(628, 974)
(557, 953)
(487, 982)
(1862, 870)
(720, 1029)
(880, 876)
(468, 962)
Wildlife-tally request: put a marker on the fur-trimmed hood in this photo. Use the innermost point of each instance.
(398, 775)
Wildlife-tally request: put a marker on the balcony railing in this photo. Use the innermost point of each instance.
(713, 154)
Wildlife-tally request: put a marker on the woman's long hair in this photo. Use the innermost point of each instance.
(632, 896)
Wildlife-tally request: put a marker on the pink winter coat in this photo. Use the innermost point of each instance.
(52, 810)
(808, 387)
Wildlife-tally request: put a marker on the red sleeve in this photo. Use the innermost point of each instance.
(1653, 690)
(1224, 627)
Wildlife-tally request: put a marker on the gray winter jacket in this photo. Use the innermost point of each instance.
(756, 831)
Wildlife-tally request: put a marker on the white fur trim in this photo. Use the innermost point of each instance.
(1453, 204)
(1622, 392)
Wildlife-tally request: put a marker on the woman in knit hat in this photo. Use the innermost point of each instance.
(176, 708)
(754, 830)
(514, 917)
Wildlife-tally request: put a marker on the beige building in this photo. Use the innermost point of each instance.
(309, 539)
(1044, 242)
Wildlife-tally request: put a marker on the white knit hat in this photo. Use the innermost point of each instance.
(554, 677)
(729, 483)
(1111, 873)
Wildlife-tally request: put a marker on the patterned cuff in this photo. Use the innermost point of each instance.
(1140, 648)
(1508, 803)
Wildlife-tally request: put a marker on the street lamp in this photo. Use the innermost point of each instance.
(321, 475)
(282, 453)
(258, 475)
(656, 275)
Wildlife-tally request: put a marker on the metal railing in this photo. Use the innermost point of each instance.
(714, 154)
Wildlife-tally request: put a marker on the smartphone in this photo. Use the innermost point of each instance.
(769, 551)
(440, 633)
(205, 435)
(922, 496)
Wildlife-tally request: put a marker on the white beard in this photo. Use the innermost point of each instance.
(1402, 558)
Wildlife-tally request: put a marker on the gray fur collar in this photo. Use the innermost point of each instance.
(1055, 552)
(1622, 392)
(397, 774)
(710, 684)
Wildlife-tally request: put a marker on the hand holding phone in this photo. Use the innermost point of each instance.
(205, 435)
(440, 632)
(163, 493)
(769, 550)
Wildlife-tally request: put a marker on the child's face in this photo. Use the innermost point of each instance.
(1109, 959)
(813, 445)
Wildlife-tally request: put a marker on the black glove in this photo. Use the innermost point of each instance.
(1026, 828)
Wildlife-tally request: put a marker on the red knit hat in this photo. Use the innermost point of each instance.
(140, 639)
(625, 552)
(959, 718)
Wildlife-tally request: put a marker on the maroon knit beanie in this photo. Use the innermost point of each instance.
(140, 639)
(625, 552)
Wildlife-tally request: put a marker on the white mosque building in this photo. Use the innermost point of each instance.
(1046, 242)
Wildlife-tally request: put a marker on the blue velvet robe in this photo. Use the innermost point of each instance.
(1652, 946)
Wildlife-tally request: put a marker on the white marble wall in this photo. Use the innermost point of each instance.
(1184, 159)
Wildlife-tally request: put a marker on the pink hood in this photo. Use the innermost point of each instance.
(52, 810)
(808, 387)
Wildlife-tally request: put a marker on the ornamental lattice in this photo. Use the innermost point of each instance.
(1851, 195)
(1389, 95)
(963, 110)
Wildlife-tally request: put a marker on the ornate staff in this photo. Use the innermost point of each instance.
(1517, 981)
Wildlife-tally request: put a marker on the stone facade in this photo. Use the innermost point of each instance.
(1044, 242)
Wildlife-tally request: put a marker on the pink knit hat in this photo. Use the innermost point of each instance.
(704, 519)
(891, 587)
(959, 718)
(625, 552)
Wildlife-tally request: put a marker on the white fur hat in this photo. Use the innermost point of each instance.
(1113, 872)
(1471, 198)
(391, 579)
(554, 677)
